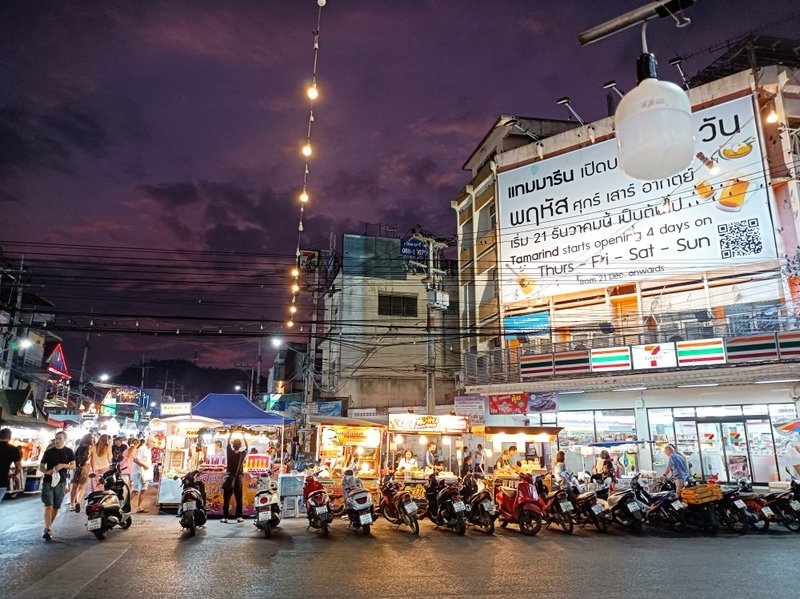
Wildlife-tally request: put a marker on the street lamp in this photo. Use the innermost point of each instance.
(237, 388)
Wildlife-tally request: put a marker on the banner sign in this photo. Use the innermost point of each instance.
(576, 222)
(413, 248)
(542, 402)
(654, 355)
(418, 423)
(611, 358)
(508, 403)
(471, 406)
(182, 408)
(535, 366)
(336, 436)
(702, 352)
(524, 325)
(752, 348)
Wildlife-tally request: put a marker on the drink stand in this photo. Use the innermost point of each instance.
(415, 432)
(343, 443)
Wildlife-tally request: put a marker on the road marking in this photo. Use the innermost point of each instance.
(69, 579)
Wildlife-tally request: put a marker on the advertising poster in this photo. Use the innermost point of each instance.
(508, 403)
(471, 406)
(576, 222)
(542, 402)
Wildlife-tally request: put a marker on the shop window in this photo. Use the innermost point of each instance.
(574, 439)
(683, 412)
(719, 411)
(787, 444)
(662, 431)
(755, 410)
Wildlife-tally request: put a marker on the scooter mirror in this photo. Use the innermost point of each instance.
(174, 478)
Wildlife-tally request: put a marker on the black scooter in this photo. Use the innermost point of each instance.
(445, 506)
(481, 510)
(110, 507)
(192, 510)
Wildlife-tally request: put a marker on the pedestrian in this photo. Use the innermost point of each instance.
(84, 454)
(502, 461)
(466, 465)
(55, 463)
(101, 461)
(234, 470)
(480, 460)
(118, 449)
(9, 454)
(604, 465)
(430, 456)
(512, 456)
(677, 468)
(141, 474)
(126, 465)
(559, 468)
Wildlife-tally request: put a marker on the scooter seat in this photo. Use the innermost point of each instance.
(587, 495)
(748, 495)
(509, 492)
(552, 494)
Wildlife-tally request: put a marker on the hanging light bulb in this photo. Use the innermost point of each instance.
(655, 132)
(307, 150)
(290, 324)
(312, 91)
(772, 117)
(304, 196)
(292, 309)
(295, 288)
(295, 273)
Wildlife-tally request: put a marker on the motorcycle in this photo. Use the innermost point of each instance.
(663, 508)
(480, 508)
(783, 507)
(755, 504)
(588, 510)
(192, 510)
(318, 505)
(110, 507)
(699, 515)
(445, 507)
(267, 505)
(397, 505)
(556, 506)
(733, 512)
(358, 502)
(520, 506)
(622, 505)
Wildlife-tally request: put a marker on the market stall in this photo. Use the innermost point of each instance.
(262, 431)
(343, 443)
(419, 432)
(30, 431)
(535, 450)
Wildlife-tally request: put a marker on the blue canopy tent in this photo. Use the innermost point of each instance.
(235, 409)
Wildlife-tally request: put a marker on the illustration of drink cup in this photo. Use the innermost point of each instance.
(733, 195)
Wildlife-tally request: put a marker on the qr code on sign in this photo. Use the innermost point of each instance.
(741, 238)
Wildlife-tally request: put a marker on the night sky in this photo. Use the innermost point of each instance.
(176, 126)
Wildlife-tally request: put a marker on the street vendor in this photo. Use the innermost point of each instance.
(430, 456)
(408, 462)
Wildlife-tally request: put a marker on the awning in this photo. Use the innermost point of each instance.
(346, 421)
(517, 430)
(235, 409)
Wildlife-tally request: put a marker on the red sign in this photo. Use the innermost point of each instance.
(508, 403)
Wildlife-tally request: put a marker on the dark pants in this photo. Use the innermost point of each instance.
(236, 491)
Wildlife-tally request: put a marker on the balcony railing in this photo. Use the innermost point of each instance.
(502, 365)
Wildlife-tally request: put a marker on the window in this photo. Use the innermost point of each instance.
(397, 305)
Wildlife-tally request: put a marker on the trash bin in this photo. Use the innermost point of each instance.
(32, 484)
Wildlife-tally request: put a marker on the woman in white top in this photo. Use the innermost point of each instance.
(101, 460)
(407, 462)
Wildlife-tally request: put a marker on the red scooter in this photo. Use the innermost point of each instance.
(520, 506)
(318, 505)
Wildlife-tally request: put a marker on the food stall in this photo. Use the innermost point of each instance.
(415, 432)
(536, 448)
(30, 431)
(238, 417)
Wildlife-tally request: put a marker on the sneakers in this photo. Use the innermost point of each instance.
(47, 536)
(240, 520)
(224, 520)
(77, 507)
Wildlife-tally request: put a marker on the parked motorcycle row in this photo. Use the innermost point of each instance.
(456, 504)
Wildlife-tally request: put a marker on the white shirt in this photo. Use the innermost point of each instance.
(144, 456)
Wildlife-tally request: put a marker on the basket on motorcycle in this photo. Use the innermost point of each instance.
(701, 494)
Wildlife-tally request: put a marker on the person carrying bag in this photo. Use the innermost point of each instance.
(234, 471)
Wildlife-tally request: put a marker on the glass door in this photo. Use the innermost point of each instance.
(712, 452)
(734, 441)
(686, 444)
(761, 447)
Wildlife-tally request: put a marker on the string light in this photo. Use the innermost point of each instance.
(312, 93)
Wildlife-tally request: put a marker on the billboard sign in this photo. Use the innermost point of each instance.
(471, 406)
(413, 248)
(576, 222)
(654, 355)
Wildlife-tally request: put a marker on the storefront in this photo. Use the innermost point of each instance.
(417, 432)
(533, 449)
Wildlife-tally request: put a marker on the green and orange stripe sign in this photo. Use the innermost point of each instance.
(703, 352)
(611, 358)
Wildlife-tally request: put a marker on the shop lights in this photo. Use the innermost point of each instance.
(292, 309)
(570, 392)
(312, 92)
(629, 389)
(699, 385)
(398, 439)
(295, 288)
(295, 272)
(304, 196)
(446, 441)
(777, 381)
(423, 440)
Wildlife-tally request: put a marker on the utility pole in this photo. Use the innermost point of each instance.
(311, 355)
(437, 301)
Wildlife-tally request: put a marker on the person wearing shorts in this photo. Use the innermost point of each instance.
(55, 463)
(141, 474)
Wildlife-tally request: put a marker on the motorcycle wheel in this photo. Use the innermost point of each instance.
(679, 523)
(126, 523)
(790, 519)
(337, 507)
(636, 526)
(267, 529)
(414, 524)
(200, 518)
(100, 534)
(530, 523)
(461, 526)
(388, 513)
(366, 528)
(761, 525)
(567, 524)
(735, 521)
(601, 524)
(324, 527)
(190, 525)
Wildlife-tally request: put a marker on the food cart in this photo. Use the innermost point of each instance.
(416, 432)
(343, 443)
(536, 448)
(238, 417)
(30, 431)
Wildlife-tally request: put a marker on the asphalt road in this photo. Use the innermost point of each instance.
(154, 559)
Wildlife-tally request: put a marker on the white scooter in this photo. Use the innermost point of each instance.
(358, 502)
(267, 505)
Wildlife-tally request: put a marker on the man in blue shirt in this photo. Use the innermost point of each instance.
(677, 468)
